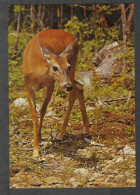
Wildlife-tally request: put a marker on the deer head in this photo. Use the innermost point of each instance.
(59, 66)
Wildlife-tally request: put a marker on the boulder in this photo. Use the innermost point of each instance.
(21, 102)
(106, 61)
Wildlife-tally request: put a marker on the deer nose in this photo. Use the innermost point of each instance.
(68, 87)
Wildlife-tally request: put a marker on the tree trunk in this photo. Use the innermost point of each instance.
(39, 11)
(71, 11)
(130, 17)
(85, 12)
(123, 17)
(18, 28)
(33, 18)
(51, 16)
(58, 16)
(61, 7)
(43, 13)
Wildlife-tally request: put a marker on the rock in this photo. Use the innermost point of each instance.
(109, 162)
(131, 181)
(21, 102)
(119, 160)
(81, 171)
(105, 61)
(90, 183)
(89, 108)
(84, 152)
(38, 107)
(127, 174)
(106, 168)
(50, 113)
(75, 184)
(85, 78)
(35, 181)
(72, 179)
(109, 178)
(50, 156)
(91, 179)
(97, 175)
(15, 186)
(118, 178)
(57, 182)
(127, 151)
(53, 180)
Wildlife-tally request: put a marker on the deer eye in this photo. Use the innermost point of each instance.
(55, 68)
(69, 67)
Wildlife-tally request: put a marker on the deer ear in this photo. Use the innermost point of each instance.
(45, 52)
(69, 50)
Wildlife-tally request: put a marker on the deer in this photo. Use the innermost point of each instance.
(51, 55)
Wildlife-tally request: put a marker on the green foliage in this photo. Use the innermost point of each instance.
(92, 36)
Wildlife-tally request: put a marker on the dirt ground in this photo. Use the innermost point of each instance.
(109, 161)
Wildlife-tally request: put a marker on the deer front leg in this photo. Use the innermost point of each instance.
(80, 96)
(31, 98)
(47, 98)
(72, 97)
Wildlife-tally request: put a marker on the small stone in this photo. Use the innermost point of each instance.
(127, 174)
(131, 181)
(91, 179)
(75, 184)
(72, 179)
(50, 156)
(15, 186)
(106, 168)
(97, 175)
(127, 151)
(109, 162)
(81, 171)
(38, 107)
(50, 113)
(93, 168)
(53, 180)
(90, 183)
(84, 152)
(119, 160)
(109, 178)
(21, 102)
(35, 181)
(118, 178)
(57, 182)
(90, 108)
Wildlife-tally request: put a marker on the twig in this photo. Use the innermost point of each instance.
(111, 100)
(43, 154)
(129, 97)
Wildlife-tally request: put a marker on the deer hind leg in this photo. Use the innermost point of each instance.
(47, 99)
(72, 97)
(80, 96)
(31, 98)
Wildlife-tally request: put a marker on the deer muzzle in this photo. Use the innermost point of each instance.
(68, 87)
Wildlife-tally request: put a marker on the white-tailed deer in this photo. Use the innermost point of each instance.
(51, 56)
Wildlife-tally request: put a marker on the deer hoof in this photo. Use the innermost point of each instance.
(59, 137)
(35, 153)
(85, 131)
